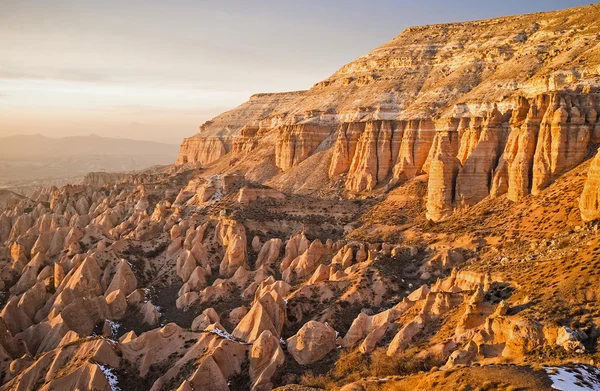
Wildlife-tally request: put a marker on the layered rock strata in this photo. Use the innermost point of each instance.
(296, 142)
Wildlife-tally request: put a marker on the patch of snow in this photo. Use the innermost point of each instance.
(114, 326)
(282, 341)
(223, 334)
(286, 301)
(380, 380)
(108, 372)
(227, 336)
(574, 378)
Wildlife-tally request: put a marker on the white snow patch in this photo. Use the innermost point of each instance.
(110, 376)
(228, 336)
(575, 378)
(223, 334)
(114, 326)
(380, 380)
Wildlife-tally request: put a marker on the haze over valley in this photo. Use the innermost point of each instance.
(29, 162)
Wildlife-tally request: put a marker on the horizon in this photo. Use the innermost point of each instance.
(84, 136)
(127, 75)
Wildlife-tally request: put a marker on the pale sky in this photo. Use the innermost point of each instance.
(156, 69)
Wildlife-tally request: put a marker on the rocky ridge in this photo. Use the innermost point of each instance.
(494, 104)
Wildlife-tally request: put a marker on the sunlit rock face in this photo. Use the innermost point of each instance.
(296, 142)
(589, 203)
(521, 96)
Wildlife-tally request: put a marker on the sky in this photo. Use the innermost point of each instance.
(156, 70)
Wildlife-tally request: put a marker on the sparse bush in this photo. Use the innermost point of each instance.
(318, 381)
(350, 362)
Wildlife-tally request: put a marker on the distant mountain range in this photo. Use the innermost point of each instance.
(27, 147)
(44, 160)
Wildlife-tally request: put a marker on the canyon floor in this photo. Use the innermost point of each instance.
(425, 219)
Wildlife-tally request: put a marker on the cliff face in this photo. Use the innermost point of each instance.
(231, 130)
(564, 137)
(486, 108)
(443, 168)
(296, 142)
(552, 138)
(374, 154)
(203, 150)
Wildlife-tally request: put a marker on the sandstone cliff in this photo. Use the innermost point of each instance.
(523, 109)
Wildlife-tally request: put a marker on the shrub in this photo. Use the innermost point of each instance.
(318, 381)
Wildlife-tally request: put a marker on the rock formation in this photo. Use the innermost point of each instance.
(589, 203)
(313, 341)
(296, 142)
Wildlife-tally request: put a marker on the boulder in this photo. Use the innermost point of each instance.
(312, 343)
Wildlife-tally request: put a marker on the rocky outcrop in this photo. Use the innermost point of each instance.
(347, 138)
(513, 173)
(265, 357)
(549, 135)
(267, 313)
(203, 150)
(417, 139)
(564, 136)
(589, 203)
(443, 168)
(235, 256)
(247, 195)
(550, 139)
(375, 152)
(296, 142)
(474, 178)
(312, 342)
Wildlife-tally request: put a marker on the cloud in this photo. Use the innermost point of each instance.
(3, 94)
